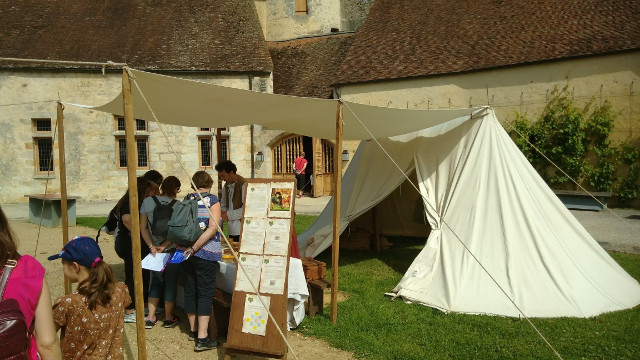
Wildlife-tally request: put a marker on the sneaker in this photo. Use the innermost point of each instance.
(149, 324)
(193, 335)
(169, 323)
(130, 318)
(205, 344)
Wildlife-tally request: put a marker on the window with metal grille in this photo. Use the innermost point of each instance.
(43, 124)
(205, 129)
(42, 146)
(142, 152)
(141, 125)
(44, 155)
(327, 156)
(205, 152)
(224, 148)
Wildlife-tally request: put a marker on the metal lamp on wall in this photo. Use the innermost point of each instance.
(345, 155)
(260, 156)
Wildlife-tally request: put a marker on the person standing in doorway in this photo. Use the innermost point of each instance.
(299, 166)
(232, 200)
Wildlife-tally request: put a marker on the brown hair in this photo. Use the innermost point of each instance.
(98, 286)
(143, 185)
(170, 186)
(8, 248)
(202, 179)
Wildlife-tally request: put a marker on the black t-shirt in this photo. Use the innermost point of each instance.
(124, 234)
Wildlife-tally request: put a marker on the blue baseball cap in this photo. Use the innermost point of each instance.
(81, 249)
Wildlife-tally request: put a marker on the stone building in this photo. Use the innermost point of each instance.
(407, 54)
(220, 42)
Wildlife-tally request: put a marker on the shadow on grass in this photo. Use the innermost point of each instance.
(398, 257)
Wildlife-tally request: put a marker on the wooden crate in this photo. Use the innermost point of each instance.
(358, 239)
(313, 269)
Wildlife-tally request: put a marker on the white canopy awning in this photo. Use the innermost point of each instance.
(198, 104)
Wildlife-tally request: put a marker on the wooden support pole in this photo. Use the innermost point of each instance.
(337, 185)
(63, 188)
(219, 157)
(129, 129)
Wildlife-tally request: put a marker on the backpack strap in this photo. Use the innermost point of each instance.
(155, 199)
(172, 202)
(6, 272)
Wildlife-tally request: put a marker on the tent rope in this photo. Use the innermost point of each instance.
(426, 201)
(563, 172)
(235, 255)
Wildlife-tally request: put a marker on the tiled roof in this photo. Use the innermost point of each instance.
(185, 35)
(409, 38)
(308, 67)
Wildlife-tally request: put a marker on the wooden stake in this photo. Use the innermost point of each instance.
(63, 188)
(129, 129)
(337, 184)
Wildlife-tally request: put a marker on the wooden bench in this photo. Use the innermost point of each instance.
(49, 208)
(581, 200)
(316, 296)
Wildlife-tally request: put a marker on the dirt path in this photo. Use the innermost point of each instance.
(161, 343)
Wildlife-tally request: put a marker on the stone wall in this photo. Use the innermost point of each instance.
(90, 136)
(524, 89)
(283, 23)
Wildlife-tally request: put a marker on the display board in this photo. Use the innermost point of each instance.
(265, 236)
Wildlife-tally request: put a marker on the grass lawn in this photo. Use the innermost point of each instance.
(374, 328)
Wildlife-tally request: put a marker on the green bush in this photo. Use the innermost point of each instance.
(577, 141)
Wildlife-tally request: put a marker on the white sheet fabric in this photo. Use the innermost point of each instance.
(297, 288)
(481, 193)
(192, 103)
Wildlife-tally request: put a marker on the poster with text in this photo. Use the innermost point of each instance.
(256, 316)
(277, 237)
(257, 200)
(252, 264)
(253, 233)
(281, 199)
(273, 275)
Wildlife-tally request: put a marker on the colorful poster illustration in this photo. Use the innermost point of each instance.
(256, 316)
(257, 202)
(277, 237)
(253, 233)
(273, 275)
(281, 198)
(252, 264)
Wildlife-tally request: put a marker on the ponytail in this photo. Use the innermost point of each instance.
(98, 286)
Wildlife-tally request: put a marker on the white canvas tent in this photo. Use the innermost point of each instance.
(477, 187)
(487, 206)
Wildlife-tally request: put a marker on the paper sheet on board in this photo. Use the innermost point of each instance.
(257, 200)
(281, 198)
(252, 264)
(274, 272)
(253, 233)
(255, 317)
(277, 237)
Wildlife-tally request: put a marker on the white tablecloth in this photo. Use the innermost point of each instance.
(297, 292)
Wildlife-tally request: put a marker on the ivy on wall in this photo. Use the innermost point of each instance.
(577, 141)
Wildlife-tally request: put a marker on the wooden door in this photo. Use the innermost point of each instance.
(283, 156)
(323, 167)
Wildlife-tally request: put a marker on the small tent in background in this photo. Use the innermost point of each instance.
(500, 237)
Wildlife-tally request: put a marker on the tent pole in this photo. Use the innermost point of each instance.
(63, 188)
(219, 157)
(135, 215)
(335, 248)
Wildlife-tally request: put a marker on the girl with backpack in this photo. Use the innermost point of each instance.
(27, 286)
(201, 268)
(155, 212)
(91, 318)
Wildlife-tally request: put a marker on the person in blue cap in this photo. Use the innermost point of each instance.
(91, 318)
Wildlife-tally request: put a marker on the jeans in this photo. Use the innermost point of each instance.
(165, 283)
(199, 285)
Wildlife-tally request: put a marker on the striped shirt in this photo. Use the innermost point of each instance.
(212, 249)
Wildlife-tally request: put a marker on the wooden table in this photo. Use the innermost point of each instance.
(49, 208)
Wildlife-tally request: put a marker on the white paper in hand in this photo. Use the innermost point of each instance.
(156, 263)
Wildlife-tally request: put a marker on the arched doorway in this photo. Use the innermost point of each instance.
(319, 154)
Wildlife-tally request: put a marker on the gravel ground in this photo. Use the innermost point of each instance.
(161, 343)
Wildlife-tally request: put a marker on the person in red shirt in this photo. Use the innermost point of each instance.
(299, 166)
